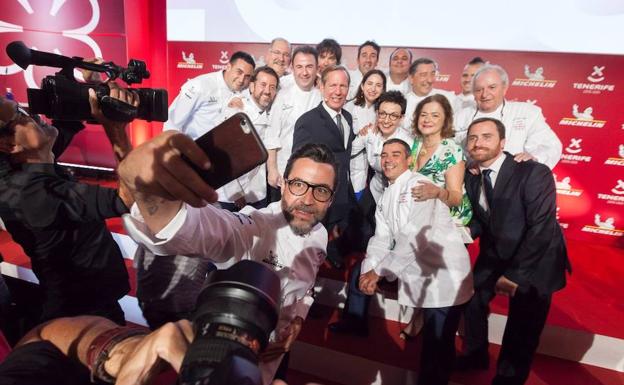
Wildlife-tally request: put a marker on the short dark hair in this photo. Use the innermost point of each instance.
(266, 70)
(500, 127)
(333, 68)
(397, 50)
(244, 56)
(406, 147)
(330, 46)
(476, 60)
(306, 50)
(395, 97)
(419, 61)
(370, 43)
(359, 96)
(317, 152)
(447, 125)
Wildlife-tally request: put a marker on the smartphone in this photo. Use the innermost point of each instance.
(233, 147)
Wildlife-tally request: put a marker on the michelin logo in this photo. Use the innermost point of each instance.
(604, 227)
(619, 160)
(534, 79)
(564, 188)
(583, 118)
(188, 61)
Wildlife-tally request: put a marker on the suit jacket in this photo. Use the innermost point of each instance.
(317, 126)
(520, 237)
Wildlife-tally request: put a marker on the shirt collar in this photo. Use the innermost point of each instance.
(495, 113)
(495, 167)
(331, 112)
(403, 177)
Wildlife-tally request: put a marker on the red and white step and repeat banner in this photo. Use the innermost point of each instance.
(581, 95)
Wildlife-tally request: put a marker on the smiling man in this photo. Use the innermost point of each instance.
(528, 136)
(367, 59)
(286, 235)
(330, 124)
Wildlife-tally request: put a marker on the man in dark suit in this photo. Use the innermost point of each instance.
(522, 251)
(330, 124)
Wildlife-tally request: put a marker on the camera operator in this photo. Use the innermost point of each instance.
(286, 235)
(59, 222)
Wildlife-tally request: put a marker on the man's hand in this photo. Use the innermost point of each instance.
(273, 177)
(523, 157)
(287, 337)
(156, 168)
(236, 103)
(364, 130)
(425, 190)
(505, 287)
(240, 203)
(165, 345)
(473, 168)
(368, 282)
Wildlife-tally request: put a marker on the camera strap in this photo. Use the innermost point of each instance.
(115, 109)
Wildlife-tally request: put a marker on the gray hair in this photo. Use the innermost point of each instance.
(281, 39)
(489, 68)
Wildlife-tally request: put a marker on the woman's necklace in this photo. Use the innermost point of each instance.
(424, 150)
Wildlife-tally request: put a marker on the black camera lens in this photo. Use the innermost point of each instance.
(236, 312)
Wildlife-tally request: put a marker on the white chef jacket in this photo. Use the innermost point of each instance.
(405, 86)
(417, 242)
(260, 235)
(358, 166)
(289, 105)
(373, 145)
(355, 78)
(413, 100)
(526, 130)
(251, 186)
(464, 101)
(199, 105)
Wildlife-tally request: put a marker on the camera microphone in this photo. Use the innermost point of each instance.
(24, 56)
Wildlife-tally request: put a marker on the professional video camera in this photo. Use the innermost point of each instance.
(236, 312)
(62, 97)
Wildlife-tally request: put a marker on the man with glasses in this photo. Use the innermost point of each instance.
(278, 56)
(285, 235)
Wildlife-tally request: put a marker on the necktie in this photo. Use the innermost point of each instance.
(340, 127)
(487, 187)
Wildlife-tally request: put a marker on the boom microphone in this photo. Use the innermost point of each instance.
(24, 56)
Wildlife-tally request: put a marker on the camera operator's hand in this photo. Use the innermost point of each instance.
(149, 357)
(288, 337)
(159, 178)
(92, 76)
(115, 131)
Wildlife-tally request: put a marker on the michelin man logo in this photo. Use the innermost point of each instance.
(190, 59)
(563, 184)
(575, 146)
(619, 188)
(621, 151)
(537, 75)
(224, 59)
(596, 76)
(585, 115)
(608, 223)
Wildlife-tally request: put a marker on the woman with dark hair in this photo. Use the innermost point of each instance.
(436, 155)
(362, 109)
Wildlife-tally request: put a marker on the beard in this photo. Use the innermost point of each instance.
(299, 226)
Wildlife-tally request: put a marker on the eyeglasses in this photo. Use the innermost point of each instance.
(299, 187)
(280, 53)
(392, 117)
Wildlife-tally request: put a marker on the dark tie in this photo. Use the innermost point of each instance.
(487, 187)
(340, 128)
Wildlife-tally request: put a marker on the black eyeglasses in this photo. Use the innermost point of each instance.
(299, 187)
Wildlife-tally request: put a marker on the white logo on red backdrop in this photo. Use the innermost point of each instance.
(562, 224)
(534, 79)
(617, 194)
(189, 61)
(30, 19)
(224, 59)
(604, 227)
(583, 118)
(442, 78)
(593, 87)
(619, 188)
(619, 160)
(573, 151)
(565, 188)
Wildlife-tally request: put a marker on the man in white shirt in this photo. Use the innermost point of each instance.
(289, 105)
(422, 75)
(528, 136)
(466, 99)
(251, 188)
(398, 73)
(416, 242)
(367, 59)
(170, 217)
(201, 101)
(278, 56)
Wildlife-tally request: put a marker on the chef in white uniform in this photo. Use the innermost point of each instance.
(202, 100)
(398, 73)
(465, 98)
(367, 59)
(527, 134)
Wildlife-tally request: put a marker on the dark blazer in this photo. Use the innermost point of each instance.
(317, 126)
(520, 238)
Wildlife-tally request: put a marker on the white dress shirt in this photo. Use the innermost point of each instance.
(345, 125)
(495, 167)
(526, 130)
(417, 243)
(199, 105)
(253, 185)
(289, 105)
(260, 235)
(373, 145)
